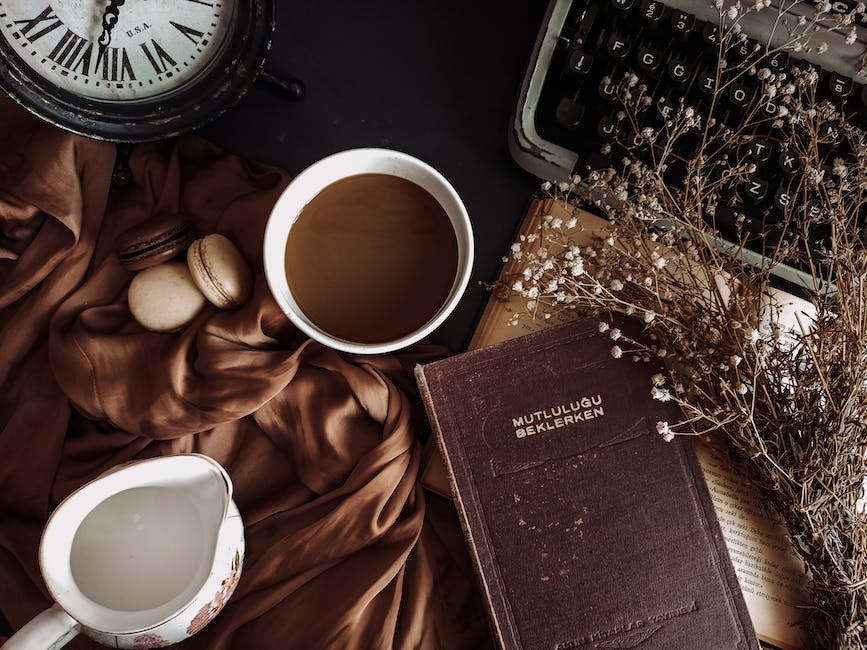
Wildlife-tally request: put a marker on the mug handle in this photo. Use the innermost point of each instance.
(48, 630)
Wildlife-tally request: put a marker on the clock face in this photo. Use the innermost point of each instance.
(169, 64)
(156, 45)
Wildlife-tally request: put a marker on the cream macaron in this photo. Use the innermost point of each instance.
(220, 271)
(164, 298)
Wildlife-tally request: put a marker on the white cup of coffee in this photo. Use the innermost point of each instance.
(368, 251)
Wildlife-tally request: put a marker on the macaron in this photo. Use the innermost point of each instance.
(154, 241)
(164, 298)
(220, 271)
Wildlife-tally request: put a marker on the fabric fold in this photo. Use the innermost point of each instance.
(344, 547)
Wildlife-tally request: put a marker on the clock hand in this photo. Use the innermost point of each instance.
(109, 20)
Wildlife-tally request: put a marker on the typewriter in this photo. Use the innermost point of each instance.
(567, 107)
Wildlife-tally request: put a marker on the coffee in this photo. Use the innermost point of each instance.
(364, 261)
(371, 258)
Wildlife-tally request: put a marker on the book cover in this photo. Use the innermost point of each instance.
(586, 528)
(772, 578)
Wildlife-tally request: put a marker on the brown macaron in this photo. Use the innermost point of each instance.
(154, 241)
(220, 271)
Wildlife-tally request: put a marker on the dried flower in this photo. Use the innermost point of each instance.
(661, 394)
(793, 405)
(665, 431)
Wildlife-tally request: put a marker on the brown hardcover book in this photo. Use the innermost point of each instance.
(586, 528)
(771, 576)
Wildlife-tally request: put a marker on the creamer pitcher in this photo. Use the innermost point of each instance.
(143, 556)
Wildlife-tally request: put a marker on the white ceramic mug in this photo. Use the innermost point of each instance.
(142, 557)
(320, 175)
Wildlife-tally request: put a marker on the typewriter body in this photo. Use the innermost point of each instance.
(566, 117)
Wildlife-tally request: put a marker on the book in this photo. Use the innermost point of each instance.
(586, 528)
(771, 577)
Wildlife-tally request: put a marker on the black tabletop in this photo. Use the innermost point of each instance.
(433, 78)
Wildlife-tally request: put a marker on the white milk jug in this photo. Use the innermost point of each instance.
(143, 556)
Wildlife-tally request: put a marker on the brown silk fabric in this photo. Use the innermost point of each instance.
(344, 548)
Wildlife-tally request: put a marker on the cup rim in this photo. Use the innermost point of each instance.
(281, 219)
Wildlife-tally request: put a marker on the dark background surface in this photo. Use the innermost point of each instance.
(434, 78)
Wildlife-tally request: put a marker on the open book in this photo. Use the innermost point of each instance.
(770, 575)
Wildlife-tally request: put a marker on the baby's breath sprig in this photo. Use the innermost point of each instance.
(791, 401)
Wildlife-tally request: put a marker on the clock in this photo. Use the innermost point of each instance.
(131, 70)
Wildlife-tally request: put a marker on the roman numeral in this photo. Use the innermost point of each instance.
(116, 65)
(159, 58)
(72, 52)
(29, 32)
(194, 35)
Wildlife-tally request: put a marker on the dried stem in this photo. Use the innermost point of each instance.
(791, 401)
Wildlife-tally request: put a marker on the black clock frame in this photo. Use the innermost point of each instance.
(203, 98)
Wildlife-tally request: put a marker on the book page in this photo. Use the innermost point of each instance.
(770, 574)
(772, 578)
